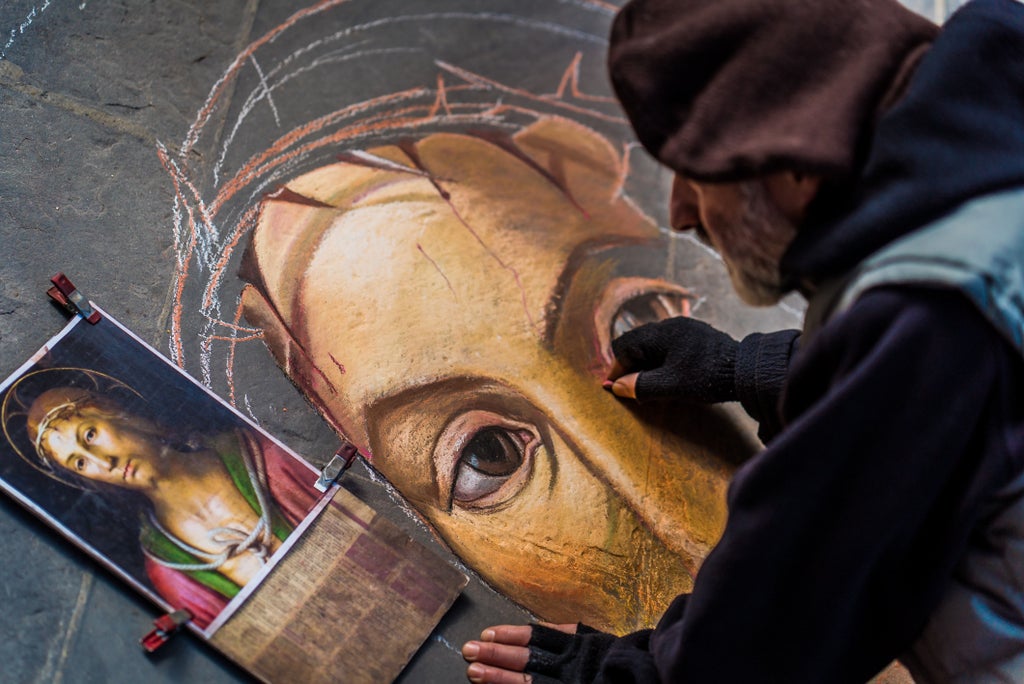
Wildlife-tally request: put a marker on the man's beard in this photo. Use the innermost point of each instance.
(756, 246)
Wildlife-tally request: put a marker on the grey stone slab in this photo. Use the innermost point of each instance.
(78, 197)
(148, 62)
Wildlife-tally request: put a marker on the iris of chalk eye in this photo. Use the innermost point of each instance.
(490, 458)
(648, 308)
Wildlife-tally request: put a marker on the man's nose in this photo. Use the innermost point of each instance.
(684, 209)
(98, 460)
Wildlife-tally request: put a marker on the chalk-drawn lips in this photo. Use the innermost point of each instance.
(129, 470)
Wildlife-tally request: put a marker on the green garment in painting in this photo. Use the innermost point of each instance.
(161, 547)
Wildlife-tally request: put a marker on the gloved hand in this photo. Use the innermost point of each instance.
(558, 654)
(678, 358)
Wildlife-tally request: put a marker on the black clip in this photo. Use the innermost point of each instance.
(164, 627)
(65, 294)
(338, 464)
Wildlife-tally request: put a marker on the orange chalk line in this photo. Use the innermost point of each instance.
(229, 364)
(441, 101)
(225, 338)
(241, 178)
(471, 77)
(384, 121)
(603, 5)
(571, 78)
(180, 179)
(240, 60)
(258, 162)
(247, 220)
(181, 272)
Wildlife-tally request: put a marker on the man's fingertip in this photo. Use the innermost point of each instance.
(623, 389)
(488, 635)
(476, 673)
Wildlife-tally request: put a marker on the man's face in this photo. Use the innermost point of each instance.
(454, 319)
(103, 446)
(744, 225)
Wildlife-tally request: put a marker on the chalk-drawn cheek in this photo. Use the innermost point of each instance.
(484, 459)
(628, 303)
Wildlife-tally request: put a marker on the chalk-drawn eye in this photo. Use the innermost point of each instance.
(488, 460)
(649, 307)
(627, 303)
(484, 458)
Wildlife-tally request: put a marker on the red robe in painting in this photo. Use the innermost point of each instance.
(291, 485)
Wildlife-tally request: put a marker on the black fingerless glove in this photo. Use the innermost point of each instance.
(680, 358)
(589, 656)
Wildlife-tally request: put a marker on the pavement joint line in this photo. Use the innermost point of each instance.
(12, 76)
(74, 624)
(52, 670)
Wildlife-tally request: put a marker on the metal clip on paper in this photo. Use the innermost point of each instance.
(338, 464)
(65, 294)
(164, 627)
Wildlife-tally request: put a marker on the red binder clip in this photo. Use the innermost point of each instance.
(164, 627)
(64, 293)
(338, 464)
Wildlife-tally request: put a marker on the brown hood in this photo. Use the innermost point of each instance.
(722, 90)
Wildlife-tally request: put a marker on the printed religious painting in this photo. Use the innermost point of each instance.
(194, 506)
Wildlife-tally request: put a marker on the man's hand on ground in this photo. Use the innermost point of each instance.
(501, 654)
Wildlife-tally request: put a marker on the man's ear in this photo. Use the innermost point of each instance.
(792, 192)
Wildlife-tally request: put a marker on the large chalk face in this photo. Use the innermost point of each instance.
(449, 304)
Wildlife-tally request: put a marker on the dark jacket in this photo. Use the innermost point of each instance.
(901, 419)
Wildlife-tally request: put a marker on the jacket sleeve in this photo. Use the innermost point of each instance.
(843, 532)
(762, 364)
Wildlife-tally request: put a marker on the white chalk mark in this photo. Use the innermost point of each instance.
(384, 163)
(254, 97)
(447, 644)
(690, 238)
(264, 90)
(197, 238)
(543, 26)
(248, 409)
(22, 25)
